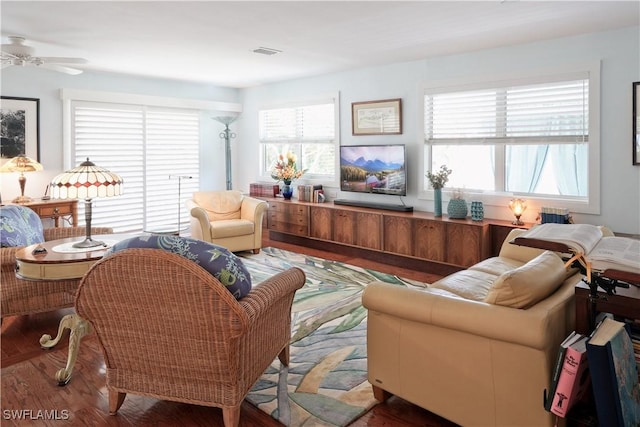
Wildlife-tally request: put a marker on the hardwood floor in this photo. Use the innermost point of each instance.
(28, 385)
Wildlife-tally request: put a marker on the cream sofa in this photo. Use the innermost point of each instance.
(478, 346)
(227, 218)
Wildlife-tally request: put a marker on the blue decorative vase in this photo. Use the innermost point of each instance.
(477, 211)
(457, 209)
(437, 202)
(287, 190)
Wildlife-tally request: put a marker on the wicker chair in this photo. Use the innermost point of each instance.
(35, 296)
(170, 330)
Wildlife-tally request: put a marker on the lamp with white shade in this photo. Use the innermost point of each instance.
(87, 182)
(21, 164)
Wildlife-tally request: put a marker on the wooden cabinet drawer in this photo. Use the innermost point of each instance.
(285, 227)
(52, 211)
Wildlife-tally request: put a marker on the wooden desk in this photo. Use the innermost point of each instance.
(624, 303)
(67, 209)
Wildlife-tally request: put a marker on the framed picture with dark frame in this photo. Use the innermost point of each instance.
(382, 117)
(20, 127)
(635, 144)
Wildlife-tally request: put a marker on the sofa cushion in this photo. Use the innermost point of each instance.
(219, 205)
(469, 284)
(496, 265)
(231, 228)
(220, 262)
(19, 226)
(526, 285)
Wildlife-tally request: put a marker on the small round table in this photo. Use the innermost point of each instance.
(57, 260)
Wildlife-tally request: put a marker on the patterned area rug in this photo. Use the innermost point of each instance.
(325, 383)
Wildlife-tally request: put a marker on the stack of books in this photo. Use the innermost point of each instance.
(555, 215)
(310, 193)
(257, 189)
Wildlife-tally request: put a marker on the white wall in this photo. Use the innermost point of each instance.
(28, 82)
(618, 51)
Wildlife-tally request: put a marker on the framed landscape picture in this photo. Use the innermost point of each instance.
(636, 123)
(382, 117)
(20, 127)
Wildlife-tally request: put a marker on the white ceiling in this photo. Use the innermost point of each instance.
(212, 41)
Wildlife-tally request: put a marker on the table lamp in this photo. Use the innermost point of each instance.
(517, 206)
(86, 182)
(21, 164)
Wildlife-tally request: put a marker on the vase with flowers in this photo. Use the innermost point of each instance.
(286, 170)
(438, 180)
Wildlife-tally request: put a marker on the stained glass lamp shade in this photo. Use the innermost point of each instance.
(21, 164)
(86, 181)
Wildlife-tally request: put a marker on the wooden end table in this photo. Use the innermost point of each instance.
(54, 265)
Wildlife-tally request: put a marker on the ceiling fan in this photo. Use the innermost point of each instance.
(16, 52)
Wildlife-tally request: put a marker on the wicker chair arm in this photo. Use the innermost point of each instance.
(8, 258)
(265, 294)
(65, 232)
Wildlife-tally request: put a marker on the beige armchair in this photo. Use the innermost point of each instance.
(172, 331)
(227, 218)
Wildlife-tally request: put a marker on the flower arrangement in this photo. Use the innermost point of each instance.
(286, 168)
(439, 179)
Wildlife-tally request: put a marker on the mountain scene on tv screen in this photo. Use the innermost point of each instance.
(373, 172)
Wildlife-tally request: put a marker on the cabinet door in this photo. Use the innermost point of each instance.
(467, 244)
(344, 227)
(398, 235)
(430, 240)
(369, 230)
(321, 223)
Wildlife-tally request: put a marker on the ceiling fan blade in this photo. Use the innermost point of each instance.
(66, 70)
(62, 60)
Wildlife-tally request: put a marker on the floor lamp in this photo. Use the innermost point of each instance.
(227, 135)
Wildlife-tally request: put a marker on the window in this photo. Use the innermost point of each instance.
(309, 130)
(149, 147)
(526, 137)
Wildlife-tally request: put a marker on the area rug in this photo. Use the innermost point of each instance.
(325, 383)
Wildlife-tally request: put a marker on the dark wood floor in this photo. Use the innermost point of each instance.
(28, 385)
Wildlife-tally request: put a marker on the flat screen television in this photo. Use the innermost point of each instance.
(377, 169)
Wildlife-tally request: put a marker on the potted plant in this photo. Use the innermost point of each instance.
(286, 170)
(438, 180)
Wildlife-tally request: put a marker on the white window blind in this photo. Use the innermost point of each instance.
(150, 148)
(556, 111)
(308, 130)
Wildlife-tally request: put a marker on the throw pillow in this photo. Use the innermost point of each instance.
(525, 286)
(219, 261)
(19, 226)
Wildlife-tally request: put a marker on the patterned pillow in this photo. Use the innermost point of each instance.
(219, 261)
(19, 226)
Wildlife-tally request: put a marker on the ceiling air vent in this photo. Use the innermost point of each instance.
(266, 51)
